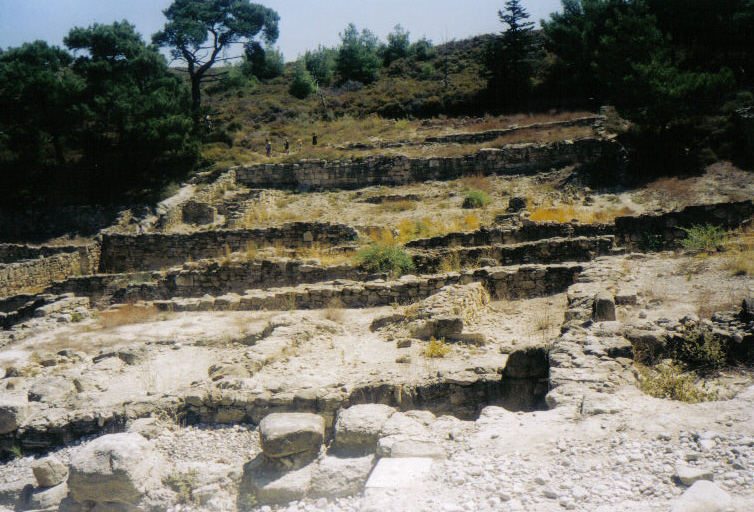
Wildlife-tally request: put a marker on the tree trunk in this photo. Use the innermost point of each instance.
(196, 101)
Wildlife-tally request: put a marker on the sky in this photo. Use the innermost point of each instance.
(304, 24)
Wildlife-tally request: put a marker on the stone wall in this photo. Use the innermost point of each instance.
(401, 170)
(89, 254)
(634, 231)
(121, 253)
(488, 135)
(528, 232)
(38, 273)
(236, 277)
(551, 250)
(502, 282)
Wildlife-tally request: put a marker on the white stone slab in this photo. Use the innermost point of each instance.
(400, 473)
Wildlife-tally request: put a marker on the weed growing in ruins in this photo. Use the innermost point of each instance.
(740, 259)
(698, 349)
(334, 310)
(183, 483)
(76, 317)
(436, 349)
(477, 182)
(475, 199)
(670, 382)
(569, 213)
(651, 243)
(381, 258)
(451, 262)
(706, 238)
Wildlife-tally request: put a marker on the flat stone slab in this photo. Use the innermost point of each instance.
(284, 434)
(400, 473)
(688, 475)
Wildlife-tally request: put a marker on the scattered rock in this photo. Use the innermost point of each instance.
(516, 204)
(13, 412)
(336, 477)
(358, 427)
(264, 484)
(284, 434)
(115, 468)
(47, 497)
(49, 471)
(703, 496)
(688, 475)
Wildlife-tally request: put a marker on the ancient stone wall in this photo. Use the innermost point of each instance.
(502, 282)
(528, 232)
(551, 250)
(121, 253)
(400, 170)
(38, 273)
(636, 231)
(488, 135)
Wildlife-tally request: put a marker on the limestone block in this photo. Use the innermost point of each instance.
(398, 446)
(688, 475)
(703, 496)
(399, 473)
(49, 471)
(358, 427)
(13, 411)
(336, 476)
(47, 497)
(603, 308)
(284, 434)
(115, 468)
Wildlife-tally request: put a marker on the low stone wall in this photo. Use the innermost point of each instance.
(552, 250)
(635, 231)
(38, 273)
(89, 254)
(121, 253)
(236, 277)
(488, 135)
(502, 282)
(528, 232)
(400, 170)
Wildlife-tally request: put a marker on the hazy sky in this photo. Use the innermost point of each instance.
(304, 24)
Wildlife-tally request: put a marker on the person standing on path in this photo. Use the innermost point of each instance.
(268, 147)
(287, 146)
(300, 143)
(314, 139)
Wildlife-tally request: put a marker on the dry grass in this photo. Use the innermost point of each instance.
(326, 256)
(411, 229)
(436, 349)
(334, 310)
(396, 206)
(739, 259)
(126, 315)
(567, 213)
(477, 182)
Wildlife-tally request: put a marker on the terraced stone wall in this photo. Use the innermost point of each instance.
(636, 231)
(237, 277)
(400, 170)
(121, 253)
(551, 250)
(38, 273)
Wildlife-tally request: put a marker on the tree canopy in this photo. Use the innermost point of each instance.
(357, 56)
(198, 31)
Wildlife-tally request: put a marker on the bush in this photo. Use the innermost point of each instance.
(436, 349)
(669, 381)
(381, 258)
(698, 348)
(707, 238)
(475, 199)
(303, 84)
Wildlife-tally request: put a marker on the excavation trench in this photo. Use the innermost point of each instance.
(520, 386)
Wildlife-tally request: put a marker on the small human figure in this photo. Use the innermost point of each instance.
(300, 143)
(287, 146)
(268, 146)
(314, 139)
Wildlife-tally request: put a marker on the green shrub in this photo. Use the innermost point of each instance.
(707, 238)
(698, 348)
(475, 199)
(302, 84)
(650, 242)
(669, 381)
(382, 258)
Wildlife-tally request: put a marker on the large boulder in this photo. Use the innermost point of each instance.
(265, 483)
(703, 496)
(49, 471)
(358, 427)
(527, 363)
(13, 412)
(115, 468)
(336, 476)
(52, 389)
(47, 497)
(603, 308)
(747, 310)
(284, 434)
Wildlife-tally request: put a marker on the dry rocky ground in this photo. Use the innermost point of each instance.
(477, 395)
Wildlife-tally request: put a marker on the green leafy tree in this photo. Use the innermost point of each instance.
(397, 47)
(134, 109)
(37, 101)
(357, 56)
(321, 64)
(302, 84)
(509, 57)
(422, 50)
(262, 63)
(198, 31)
